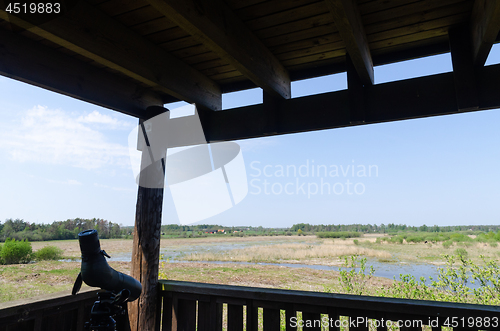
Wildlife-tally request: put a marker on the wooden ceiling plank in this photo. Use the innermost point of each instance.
(153, 26)
(369, 7)
(295, 26)
(415, 7)
(217, 27)
(128, 53)
(410, 38)
(50, 69)
(238, 4)
(180, 43)
(316, 57)
(210, 64)
(411, 50)
(287, 16)
(165, 36)
(312, 42)
(270, 7)
(322, 30)
(348, 21)
(217, 70)
(419, 27)
(420, 17)
(198, 49)
(485, 26)
(225, 75)
(198, 58)
(310, 51)
(117, 7)
(138, 16)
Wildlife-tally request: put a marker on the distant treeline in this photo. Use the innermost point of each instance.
(19, 229)
(390, 228)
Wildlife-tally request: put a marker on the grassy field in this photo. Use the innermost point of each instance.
(23, 281)
(28, 280)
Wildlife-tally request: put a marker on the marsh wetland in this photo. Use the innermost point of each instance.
(288, 262)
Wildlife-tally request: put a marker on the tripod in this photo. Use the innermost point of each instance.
(107, 306)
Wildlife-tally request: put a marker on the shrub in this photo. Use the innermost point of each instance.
(341, 234)
(48, 253)
(461, 253)
(447, 244)
(15, 252)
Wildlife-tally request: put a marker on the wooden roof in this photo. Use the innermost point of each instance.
(128, 54)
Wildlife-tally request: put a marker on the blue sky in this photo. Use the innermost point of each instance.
(62, 158)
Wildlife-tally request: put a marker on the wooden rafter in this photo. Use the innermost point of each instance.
(348, 21)
(107, 42)
(485, 26)
(31, 62)
(216, 26)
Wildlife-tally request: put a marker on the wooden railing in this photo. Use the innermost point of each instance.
(54, 312)
(190, 306)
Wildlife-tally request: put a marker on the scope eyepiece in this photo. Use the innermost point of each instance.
(89, 243)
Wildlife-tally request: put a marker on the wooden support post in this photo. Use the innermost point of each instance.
(356, 90)
(143, 313)
(463, 69)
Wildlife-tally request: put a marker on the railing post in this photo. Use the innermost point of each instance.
(289, 313)
(234, 318)
(186, 315)
(310, 320)
(166, 320)
(271, 319)
(252, 316)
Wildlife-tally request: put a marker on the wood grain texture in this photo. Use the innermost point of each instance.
(485, 26)
(144, 313)
(217, 27)
(312, 304)
(58, 72)
(348, 21)
(106, 41)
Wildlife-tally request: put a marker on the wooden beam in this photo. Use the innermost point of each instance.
(485, 26)
(109, 43)
(28, 61)
(463, 69)
(348, 21)
(356, 92)
(407, 99)
(216, 26)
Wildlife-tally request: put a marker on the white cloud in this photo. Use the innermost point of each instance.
(65, 182)
(56, 137)
(122, 189)
(97, 118)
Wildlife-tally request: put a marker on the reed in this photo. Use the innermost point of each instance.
(292, 253)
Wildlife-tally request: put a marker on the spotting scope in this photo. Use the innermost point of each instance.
(96, 272)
